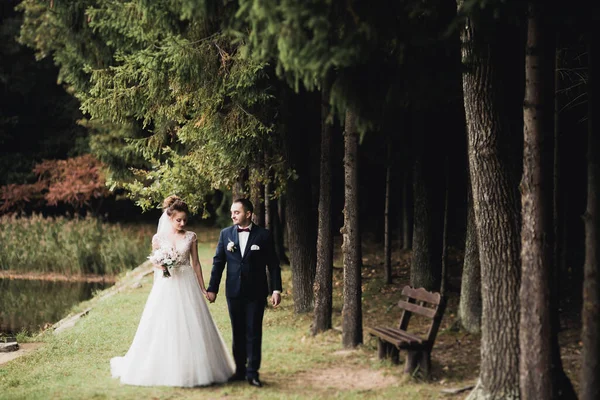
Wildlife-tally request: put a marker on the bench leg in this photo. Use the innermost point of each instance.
(418, 360)
(387, 350)
(394, 355)
(382, 349)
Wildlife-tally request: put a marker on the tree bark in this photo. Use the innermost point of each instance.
(324, 276)
(492, 89)
(257, 193)
(238, 190)
(426, 267)
(590, 363)
(299, 212)
(536, 233)
(268, 206)
(273, 224)
(557, 189)
(352, 334)
(563, 387)
(444, 261)
(279, 226)
(406, 211)
(387, 248)
(469, 309)
(278, 229)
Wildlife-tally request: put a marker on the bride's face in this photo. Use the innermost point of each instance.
(178, 220)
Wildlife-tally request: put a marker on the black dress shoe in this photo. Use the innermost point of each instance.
(237, 377)
(254, 382)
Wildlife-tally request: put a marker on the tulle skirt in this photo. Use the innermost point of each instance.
(177, 342)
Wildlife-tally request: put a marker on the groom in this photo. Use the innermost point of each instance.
(248, 250)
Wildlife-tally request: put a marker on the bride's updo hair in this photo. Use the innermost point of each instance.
(174, 203)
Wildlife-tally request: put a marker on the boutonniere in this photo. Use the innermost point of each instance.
(231, 246)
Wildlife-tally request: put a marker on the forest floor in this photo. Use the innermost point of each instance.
(456, 353)
(296, 365)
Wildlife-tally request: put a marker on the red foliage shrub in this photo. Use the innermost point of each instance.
(74, 181)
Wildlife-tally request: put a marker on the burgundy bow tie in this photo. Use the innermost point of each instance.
(243, 229)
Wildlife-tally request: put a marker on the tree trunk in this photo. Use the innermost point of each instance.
(238, 190)
(469, 309)
(352, 334)
(268, 206)
(563, 387)
(300, 214)
(426, 267)
(279, 224)
(590, 363)
(302, 246)
(387, 248)
(406, 210)
(324, 276)
(257, 193)
(444, 261)
(557, 210)
(536, 233)
(278, 229)
(273, 223)
(490, 89)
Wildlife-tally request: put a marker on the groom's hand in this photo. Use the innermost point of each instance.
(275, 299)
(211, 296)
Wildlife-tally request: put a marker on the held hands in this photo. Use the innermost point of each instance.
(210, 296)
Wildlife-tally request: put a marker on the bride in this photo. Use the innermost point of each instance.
(177, 342)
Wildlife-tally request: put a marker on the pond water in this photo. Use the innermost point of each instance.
(30, 304)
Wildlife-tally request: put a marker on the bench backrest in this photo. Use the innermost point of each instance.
(427, 304)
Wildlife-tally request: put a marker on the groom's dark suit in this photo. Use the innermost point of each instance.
(246, 289)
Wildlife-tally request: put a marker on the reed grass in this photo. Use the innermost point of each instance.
(71, 246)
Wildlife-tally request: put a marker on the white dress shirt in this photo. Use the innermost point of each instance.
(243, 238)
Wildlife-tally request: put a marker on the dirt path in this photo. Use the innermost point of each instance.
(24, 348)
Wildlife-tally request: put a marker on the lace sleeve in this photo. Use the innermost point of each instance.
(193, 236)
(155, 243)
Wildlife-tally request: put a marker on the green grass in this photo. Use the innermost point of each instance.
(71, 246)
(75, 364)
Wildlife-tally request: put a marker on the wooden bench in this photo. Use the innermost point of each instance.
(392, 340)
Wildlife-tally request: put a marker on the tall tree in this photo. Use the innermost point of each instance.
(428, 215)
(590, 364)
(387, 239)
(170, 76)
(406, 209)
(324, 277)
(352, 334)
(492, 96)
(301, 216)
(536, 233)
(428, 128)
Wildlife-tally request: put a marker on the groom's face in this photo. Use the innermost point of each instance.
(239, 216)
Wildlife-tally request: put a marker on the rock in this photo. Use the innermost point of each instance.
(68, 322)
(8, 347)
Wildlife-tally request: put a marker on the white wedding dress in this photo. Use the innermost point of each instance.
(177, 342)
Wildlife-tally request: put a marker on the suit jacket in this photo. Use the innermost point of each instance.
(249, 270)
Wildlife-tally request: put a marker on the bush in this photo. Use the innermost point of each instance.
(71, 245)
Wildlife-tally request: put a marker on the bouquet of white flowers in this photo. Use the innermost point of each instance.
(165, 258)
